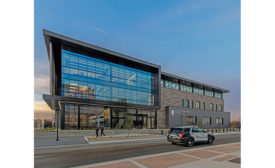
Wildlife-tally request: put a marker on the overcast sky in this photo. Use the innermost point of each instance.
(195, 39)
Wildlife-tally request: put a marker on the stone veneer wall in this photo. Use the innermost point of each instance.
(173, 97)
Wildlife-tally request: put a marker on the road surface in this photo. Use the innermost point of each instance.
(71, 156)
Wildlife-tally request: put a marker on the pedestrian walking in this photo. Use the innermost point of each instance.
(102, 130)
(96, 131)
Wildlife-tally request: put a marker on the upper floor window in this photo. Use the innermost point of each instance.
(218, 95)
(203, 105)
(198, 90)
(220, 107)
(172, 85)
(186, 88)
(211, 106)
(197, 105)
(209, 93)
(186, 105)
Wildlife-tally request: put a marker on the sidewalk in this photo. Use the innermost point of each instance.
(225, 156)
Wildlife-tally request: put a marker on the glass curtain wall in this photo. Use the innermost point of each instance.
(90, 78)
(71, 116)
(93, 116)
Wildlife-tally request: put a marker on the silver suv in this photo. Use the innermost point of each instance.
(188, 135)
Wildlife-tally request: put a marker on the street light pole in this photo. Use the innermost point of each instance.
(57, 139)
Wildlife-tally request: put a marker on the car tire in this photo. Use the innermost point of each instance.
(210, 140)
(189, 142)
(173, 143)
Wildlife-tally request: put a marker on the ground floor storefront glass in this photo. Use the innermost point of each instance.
(78, 116)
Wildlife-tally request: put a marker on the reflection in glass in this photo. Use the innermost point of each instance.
(90, 78)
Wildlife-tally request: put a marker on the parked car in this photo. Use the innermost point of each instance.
(188, 135)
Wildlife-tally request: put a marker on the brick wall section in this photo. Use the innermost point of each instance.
(173, 97)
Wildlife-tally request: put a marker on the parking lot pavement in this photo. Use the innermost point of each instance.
(226, 156)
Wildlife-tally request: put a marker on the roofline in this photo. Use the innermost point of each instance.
(195, 82)
(48, 35)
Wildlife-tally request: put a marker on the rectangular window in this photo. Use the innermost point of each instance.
(186, 103)
(172, 85)
(218, 95)
(161, 83)
(220, 107)
(191, 120)
(197, 106)
(219, 121)
(206, 121)
(211, 107)
(209, 93)
(198, 90)
(203, 105)
(186, 88)
(182, 103)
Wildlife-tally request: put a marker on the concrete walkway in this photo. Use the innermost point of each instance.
(225, 156)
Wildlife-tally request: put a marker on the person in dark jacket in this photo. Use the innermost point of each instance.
(102, 131)
(96, 131)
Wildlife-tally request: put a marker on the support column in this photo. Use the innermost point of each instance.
(78, 110)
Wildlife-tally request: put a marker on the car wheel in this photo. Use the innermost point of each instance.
(189, 142)
(210, 140)
(173, 143)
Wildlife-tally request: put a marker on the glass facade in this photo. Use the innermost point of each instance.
(89, 117)
(90, 78)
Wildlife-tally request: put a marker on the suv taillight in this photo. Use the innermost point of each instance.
(181, 134)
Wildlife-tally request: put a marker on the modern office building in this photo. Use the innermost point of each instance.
(91, 86)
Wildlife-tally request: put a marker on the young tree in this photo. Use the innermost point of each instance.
(128, 124)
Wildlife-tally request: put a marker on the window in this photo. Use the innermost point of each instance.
(219, 121)
(220, 107)
(172, 85)
(218, 95)
(203, 105)
(206, 121)
(182, 103)
(161, 83)
(186, 87)
(209, 93)
(191, 120)
(197, 105)
(186, 103)
(211, 106)
(198, 90)
(192, 104)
